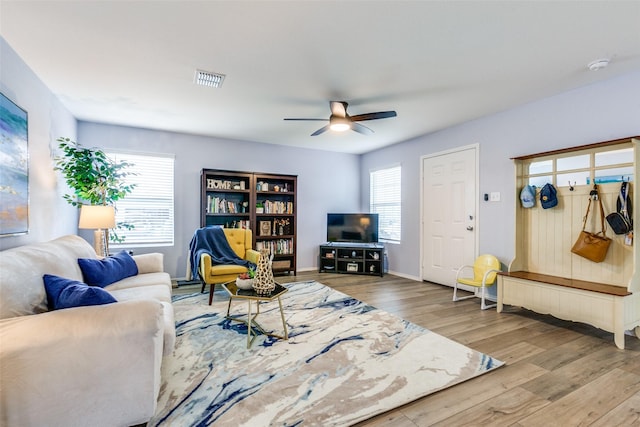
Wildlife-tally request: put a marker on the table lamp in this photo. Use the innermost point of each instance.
(99, 218)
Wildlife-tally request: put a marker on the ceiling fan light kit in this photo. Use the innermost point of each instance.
(339, 124)
(340, 121)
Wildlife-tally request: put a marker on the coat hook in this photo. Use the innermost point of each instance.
(572, 187)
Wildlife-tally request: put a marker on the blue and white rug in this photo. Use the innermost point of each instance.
(344, 362)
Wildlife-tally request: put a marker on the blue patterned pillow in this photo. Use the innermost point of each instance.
(68, 293)
(103, 272)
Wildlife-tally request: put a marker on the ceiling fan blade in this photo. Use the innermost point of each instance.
(321, 130)
(373, 116)
(338, 108)
(315, 120)
(361, 129)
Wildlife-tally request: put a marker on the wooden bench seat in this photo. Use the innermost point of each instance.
(571, 283)
(605, 306)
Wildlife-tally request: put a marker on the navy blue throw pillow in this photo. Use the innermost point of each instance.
(68, 293)
(103, 272)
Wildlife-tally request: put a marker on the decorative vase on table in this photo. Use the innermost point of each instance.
(264, 283)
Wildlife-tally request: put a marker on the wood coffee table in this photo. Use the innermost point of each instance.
(251, 295)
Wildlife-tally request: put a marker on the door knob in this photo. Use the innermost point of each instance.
(470, 228)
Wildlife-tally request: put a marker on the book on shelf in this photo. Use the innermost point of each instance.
(277, 247)
(216, 205)
(278, 207)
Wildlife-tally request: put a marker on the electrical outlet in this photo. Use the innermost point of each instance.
(494, 196)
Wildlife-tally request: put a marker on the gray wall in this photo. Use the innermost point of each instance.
(590, 114)
(327, 182)
(49, 215)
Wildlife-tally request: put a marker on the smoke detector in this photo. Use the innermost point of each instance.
(598, 64)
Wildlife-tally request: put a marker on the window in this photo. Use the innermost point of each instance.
(385, 200)
(149, 207)
(582, 167)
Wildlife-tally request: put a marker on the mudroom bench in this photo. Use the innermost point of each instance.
(608, 307)
(545, 276)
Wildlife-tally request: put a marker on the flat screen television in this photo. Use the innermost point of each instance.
(352, 227)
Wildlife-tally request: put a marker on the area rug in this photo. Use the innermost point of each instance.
(345, 361)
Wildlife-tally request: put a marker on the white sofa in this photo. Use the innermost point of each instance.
(84, 366)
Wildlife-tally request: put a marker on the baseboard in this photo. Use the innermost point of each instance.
(184, 282)
(404, 276)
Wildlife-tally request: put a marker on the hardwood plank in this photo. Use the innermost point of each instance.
(515, 353)
(625, 414)
(603, 395)
(395, 419)
(442, 405)
(572, 376)
(502, 410)
(566, 353)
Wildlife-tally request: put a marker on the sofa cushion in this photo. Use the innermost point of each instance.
(103, 272)
(21, 269)
(68, 293)
(149, 263)
(151, 292)
(142, 280)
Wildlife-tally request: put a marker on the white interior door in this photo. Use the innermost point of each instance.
(449, 208)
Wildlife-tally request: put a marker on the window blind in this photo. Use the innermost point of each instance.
(385, 200)
(150, 206)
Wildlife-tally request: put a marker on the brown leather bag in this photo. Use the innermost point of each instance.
(592, 246)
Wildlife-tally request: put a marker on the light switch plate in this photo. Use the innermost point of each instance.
(494, 196)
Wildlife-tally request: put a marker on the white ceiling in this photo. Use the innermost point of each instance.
(437, 63)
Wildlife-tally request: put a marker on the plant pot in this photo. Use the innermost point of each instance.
(244, 283)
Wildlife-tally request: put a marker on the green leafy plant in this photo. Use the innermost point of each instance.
(94, 178)
(250, 274)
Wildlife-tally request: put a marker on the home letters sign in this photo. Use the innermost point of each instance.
(218, 184)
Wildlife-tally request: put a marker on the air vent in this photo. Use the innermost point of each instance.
(208, 78)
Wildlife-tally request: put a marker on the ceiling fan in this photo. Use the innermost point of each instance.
(340, 121)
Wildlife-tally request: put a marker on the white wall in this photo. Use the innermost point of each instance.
(599, 112)
(327, 182)
(49, 215)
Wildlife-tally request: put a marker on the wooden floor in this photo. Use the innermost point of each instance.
(557, 373)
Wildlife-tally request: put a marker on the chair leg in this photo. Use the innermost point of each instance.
(483, 304)
(203, 285)
(455, 294)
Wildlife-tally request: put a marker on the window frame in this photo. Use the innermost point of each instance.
(592, 169)
(374, 206)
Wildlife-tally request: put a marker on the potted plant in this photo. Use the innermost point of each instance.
(94, 178)
(259, 208)
(245, 280)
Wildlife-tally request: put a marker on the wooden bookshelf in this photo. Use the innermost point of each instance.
(264, 203)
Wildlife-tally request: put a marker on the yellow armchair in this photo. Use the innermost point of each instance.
(240, 241)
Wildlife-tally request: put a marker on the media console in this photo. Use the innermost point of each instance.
(352, 258)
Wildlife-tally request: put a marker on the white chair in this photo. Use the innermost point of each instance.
(485, 269)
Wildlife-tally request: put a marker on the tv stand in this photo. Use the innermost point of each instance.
(352, 258)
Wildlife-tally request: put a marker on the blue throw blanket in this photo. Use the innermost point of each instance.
(212, 240)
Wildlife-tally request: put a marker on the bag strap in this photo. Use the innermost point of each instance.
(623, 199)
(594, 195)
(602, 226)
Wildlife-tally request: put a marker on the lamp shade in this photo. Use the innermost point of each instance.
(97, 217)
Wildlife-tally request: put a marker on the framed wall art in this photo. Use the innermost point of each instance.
(14, 169)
